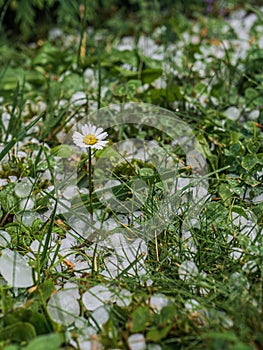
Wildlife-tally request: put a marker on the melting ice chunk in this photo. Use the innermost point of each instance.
(64, 307)
(187, 270)
(137, 342)
(4, 238)
(15, 269)
(99, 317)
(96, 297)
(23, 189)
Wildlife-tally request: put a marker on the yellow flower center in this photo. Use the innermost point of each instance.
(90, 139)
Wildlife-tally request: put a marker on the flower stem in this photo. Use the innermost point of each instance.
(90, 187)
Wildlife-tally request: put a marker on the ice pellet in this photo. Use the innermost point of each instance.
(15, 269)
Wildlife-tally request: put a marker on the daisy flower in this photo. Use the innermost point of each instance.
(91, 137)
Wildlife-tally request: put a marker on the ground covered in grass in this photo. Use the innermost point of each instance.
(154, 240)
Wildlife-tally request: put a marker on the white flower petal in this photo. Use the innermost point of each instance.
(92, 129)
(102, 136)
(77, 134)
(98, 131)
(86, 129)
(78, 139)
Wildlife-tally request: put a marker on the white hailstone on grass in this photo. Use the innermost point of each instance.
(99, 317)
(112, 268)
(90, 78)
(70, 191)
(149, 282)
(89, 345)
(253, 115)
(236, 253)
(91, 137)
(135, 250)
(54, 34)
(140, 155)
(247, 225)
(5, 119)
(116, 241)
(202, 290)
(123, 219)
(126, 43)
(109, 224)
(3, 182)
(28, 217)
(81, 267)
(159, 83)
(63, 206)
(23, 189)
(232, 113)
(96, 297)
(158, 301)
(188, 240)
(66, 244)
(79, 98)
(136, 342)
(37, 247)
(27, 204)
(192, 305)
(78, 226)
(125, 256)
(15, 269)
(135, 217)
(63, 307)
(72, 288)
(106, 193)
(123, 298)
(258, 199)
(12, 178)
(220, 317)
(250, 267)
(4, 238)
(187, 270)
(83, 190)
(238, 281)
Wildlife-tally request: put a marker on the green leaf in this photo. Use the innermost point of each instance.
(140, 319)
(260, 158)
(146, 172)
(70, 83)
(132, 87)
(249, 161)
(63, 151)
(226, 336)
(46, 288)
(251, 93)
(50, 342)
(17, 332)
(120, 90)
(239, 210)
(253, 146)
(237, 149)
(40, 323)
(150, 74)
(225, 193)
(158, 334)
(167, 313)
(8, 198)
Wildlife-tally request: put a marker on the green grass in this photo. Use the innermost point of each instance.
(191, 267)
